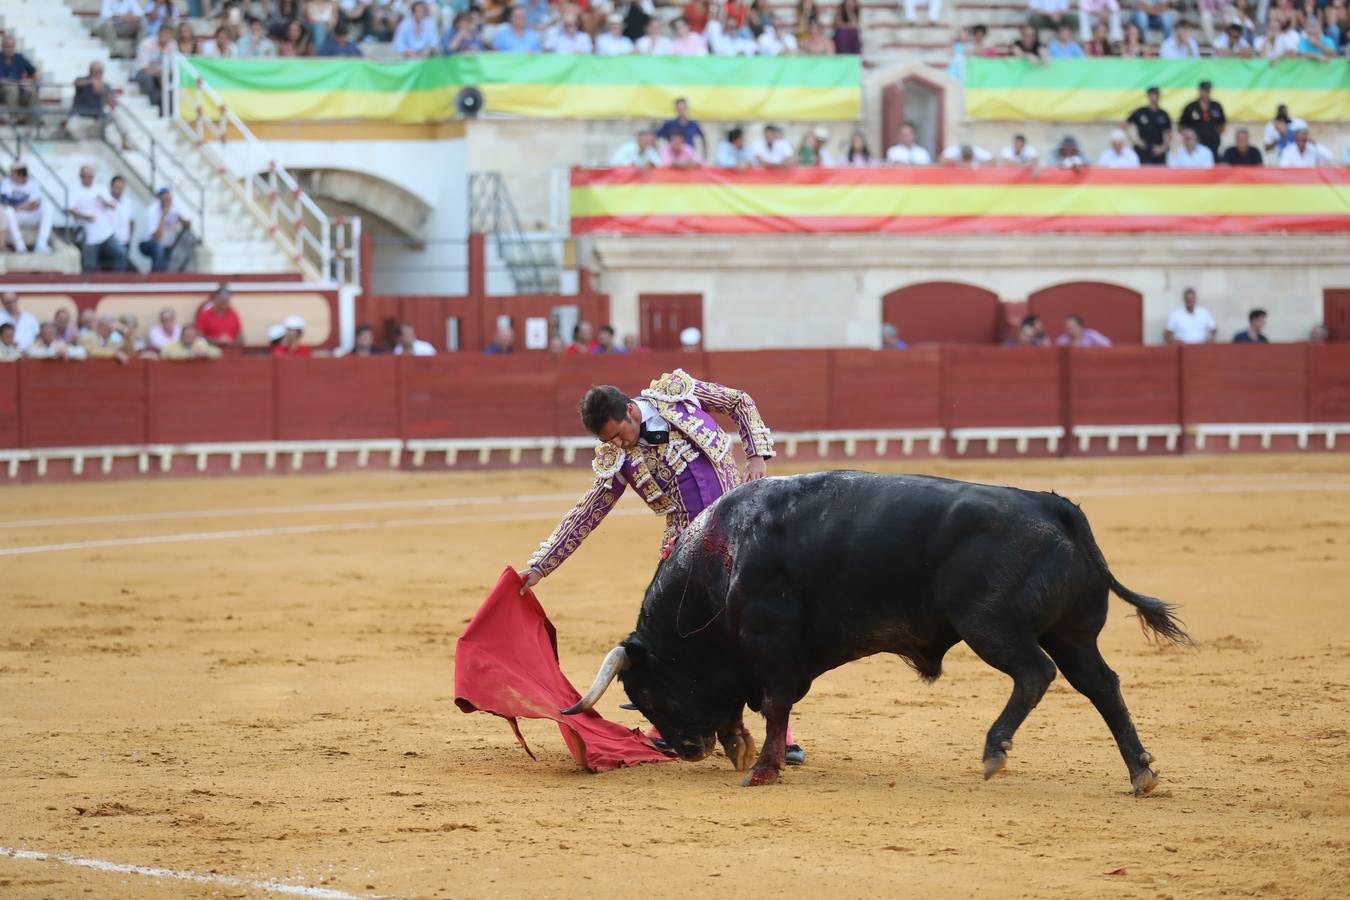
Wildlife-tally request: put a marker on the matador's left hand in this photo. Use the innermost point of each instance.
(755, 468)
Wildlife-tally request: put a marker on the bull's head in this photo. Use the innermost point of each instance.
(685, 706)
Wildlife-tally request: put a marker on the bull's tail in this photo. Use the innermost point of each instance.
(1157, 618)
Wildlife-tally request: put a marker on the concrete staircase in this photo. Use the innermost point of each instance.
(60, 44)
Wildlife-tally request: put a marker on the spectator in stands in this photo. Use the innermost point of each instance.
(583, 335)
(1152, 128)
(1064, 46)
(275, 335)
(149, 64)
(693, 132)
(1189, 323)
(48, 345)
(813, 151)
(1030, 333)
(1179, 44)
(255, 44)
(965, 156)
(187, 39)
(1279, 133)
(773, 43)
(676, 154)
(1028, 46)
(119, 19)
(129, 327)
(1119, 154)
(847, 22)
(290, 344)
(169, 242)
(641, 153)
(732, 152)
(1206, 116)
(772, 151)
(464, 35)
(339, 43)
(1320, 334)
(218, 322)
(1232, 43)
(686, 42)
(516, 36)
(153, 16)
(1049, 13)
(100, 251)
(1254, 333)
(410, 345)
(416, 36)
(1019, 153)
(890, 338)
(107, 341)
(654, 42)
(18, 77)
(93, 98)
(294, 42)
(23, 206)
(1154, 14)
(1278, 41)
(504, 342)
(859, 154)
(320, 18)
(816, 42)
(25, 323)
(189, 344)
(605, 342)
(906, 152)
(1068, 156)
(1076, 335)
(124, 211)
(220, 46)
(613, 42)
(167, 330)
(1099, 43)
(1315, 44)
(364, 344)
(1134, 46)
(9, 351)
(695, 13)
(1303, 153)
(88, 322)
(1242, 153)
(1191, 154)
(65, 329)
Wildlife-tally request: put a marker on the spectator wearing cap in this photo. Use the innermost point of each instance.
(339, 43)
(166, 330)
(1191, 154)
(907, 152)
(1068, 156)
(1152, 130)
(676, 154)
(612, 41)
(290, 343)
(217, 320)
(1304, 152)
(772, 151)
(1179, 44)
(1118, 154)
(25, 323)
(516, 36)
(693, 132)
(1242, 153)
(275, 335)
(965, 156)
(1154, 14)
(1019, 153)
(1255, 332)
(1190, 323)
(168, 230)
(18, 76)
(49, 345)
(1205, 115)
(1076, 334)
(9, 351)
(190, 345)
(410, 345)
(23, 206)
(813, 151)
(100, 251)
(416, 36)
(732, 152)
(1064, 46)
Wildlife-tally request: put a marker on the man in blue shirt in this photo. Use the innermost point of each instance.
(1255, 331)
(417, 35)
(18, 77)
(692, 130)
(1064, 46)
(338, 44)
(517, 37)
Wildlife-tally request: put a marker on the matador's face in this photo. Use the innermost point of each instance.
(622, 433)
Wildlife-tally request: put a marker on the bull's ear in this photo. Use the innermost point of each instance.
(636, 652)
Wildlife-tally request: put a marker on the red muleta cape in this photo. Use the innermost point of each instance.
(506, 663)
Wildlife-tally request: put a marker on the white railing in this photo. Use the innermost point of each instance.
(325, 248)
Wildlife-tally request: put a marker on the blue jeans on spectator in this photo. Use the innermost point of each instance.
(1163, 21)
(109, 256)
(158, 254)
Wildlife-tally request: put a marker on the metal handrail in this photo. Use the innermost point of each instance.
(185, 185)
(25, 150)
(324, 248)
(491, 212)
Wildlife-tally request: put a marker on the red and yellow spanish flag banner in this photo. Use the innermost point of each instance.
(957, 201)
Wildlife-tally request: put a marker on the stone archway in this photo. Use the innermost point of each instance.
(369, 194)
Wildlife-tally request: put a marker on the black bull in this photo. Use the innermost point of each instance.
(784, 579)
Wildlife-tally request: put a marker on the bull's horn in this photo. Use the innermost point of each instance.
(615, 662)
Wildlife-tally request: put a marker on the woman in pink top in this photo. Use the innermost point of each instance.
(676, 154)
(686, 42)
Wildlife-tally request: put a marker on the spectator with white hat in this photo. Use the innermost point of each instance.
(691, 339)
(290, 345)
(813, 151)
(612, 41)
(1119, 155)
(1304, 152)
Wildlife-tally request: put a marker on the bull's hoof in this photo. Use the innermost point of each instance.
(1144, 781)
(760, 776)
(740, 749)
(994, 763)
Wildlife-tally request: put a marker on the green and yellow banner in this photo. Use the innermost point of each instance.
(1090, 90)
(538, 85)
(959, 201)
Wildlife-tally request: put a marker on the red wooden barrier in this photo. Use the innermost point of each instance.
(9, 406)
(79, 404)
(204, 401)
(1245, 383)
(477, 396)
(339, 399)
(1124, 385)
(887, 389)
(1001, 386)
(790, 387)
(628, 372)
(1329, 382)
(1115, 311)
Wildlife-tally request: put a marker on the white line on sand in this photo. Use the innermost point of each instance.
(276, 887)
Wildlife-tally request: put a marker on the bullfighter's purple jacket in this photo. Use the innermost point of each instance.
(677, 479)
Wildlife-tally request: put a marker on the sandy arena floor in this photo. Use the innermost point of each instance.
(277, 708)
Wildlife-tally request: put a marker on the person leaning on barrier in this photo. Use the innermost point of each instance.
(189, 345)
(50, 346)
(9, 350)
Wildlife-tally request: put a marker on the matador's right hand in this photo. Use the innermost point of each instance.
(531, 577)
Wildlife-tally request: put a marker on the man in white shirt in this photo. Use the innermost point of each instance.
(566, 37)
(1179, 45)
(409, 345)
(166, 223)
(771, 43)
(772, 151)
(23, 206)
(93, 209)
(1018, 153)
(1189, 323)
(124, 210)
(1191, 154)
(119, 19)
(1119, 155)
(220, 47)
(166, 331)
(1303, 153)
(612, 41)
(908, 153)
(966, 156)
(25, 323)
(49, 345)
